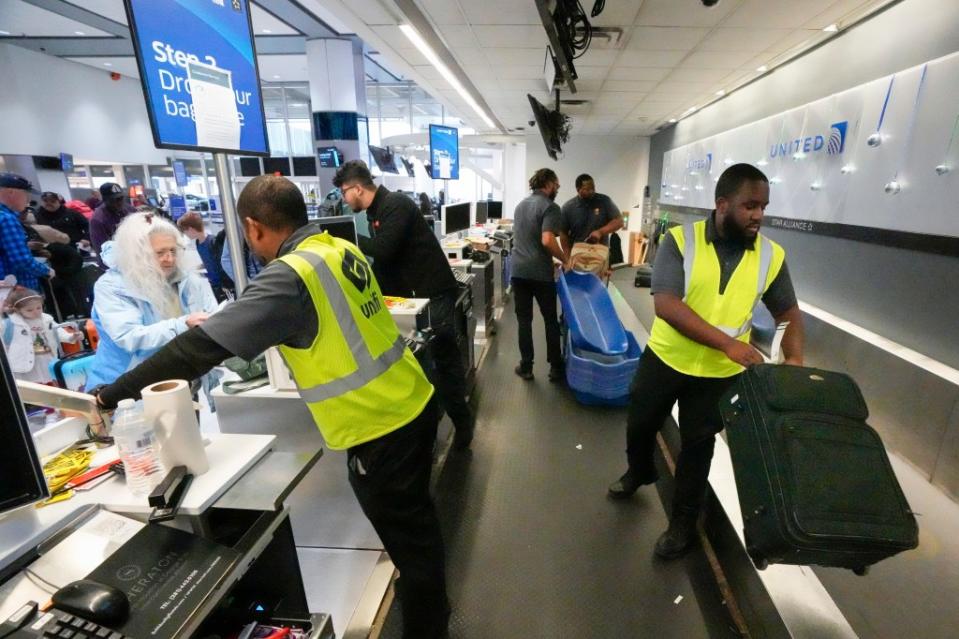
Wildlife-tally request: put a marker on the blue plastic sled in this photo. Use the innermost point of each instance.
(590, 315)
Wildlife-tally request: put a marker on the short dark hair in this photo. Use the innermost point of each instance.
(541, 178)
(585, 177)
(274, 202)
(734, 177)
(354, 171)
(191, 220)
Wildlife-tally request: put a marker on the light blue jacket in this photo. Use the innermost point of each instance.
(129, 328)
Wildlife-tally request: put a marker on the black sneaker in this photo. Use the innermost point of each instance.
(557, 374)
(525, 373)
(629, 483)
(678, 539)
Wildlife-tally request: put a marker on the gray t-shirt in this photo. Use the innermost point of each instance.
(582, 217)
(534, 216)
(669, 275)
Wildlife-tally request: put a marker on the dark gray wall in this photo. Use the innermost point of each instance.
(906, 296)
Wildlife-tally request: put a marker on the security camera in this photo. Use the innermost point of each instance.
(710, 3)
(531, 122)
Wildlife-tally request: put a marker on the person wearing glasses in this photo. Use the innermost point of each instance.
(145, 299)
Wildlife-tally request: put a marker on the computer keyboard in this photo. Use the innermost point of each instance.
(462, 276)
(61, 625)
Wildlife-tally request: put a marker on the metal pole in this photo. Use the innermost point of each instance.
(231, 222)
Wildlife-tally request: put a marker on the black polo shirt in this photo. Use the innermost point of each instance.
(408, 260)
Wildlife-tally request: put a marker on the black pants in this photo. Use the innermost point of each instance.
(449, 375)
(391, 479)
(545, 293)
(655, 388)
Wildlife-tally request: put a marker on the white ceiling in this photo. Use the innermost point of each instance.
(273, 68)
(674, 54)
(19, 18)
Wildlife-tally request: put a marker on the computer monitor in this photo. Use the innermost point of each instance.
(23, 481)
(494, 210)
(343, 227)
(456, 217)
(481, 212)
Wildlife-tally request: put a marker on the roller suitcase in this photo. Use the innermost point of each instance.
(71, 371)
(814, 481)
(644, 276)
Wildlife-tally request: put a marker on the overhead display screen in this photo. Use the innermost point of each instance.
(198, 68)
(444, 153)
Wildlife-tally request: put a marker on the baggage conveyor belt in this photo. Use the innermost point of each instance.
(534, 547)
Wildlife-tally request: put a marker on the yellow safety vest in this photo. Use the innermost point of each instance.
(731, 312)
(358, 379)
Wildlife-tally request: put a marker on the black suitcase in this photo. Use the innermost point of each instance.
(814, 481)
(644, 275)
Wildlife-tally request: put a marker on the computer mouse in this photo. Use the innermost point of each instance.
(93, 601)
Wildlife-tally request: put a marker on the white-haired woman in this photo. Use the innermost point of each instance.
(145, 299)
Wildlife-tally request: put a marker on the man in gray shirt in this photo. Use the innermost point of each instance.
(537, 225)
(590, 216)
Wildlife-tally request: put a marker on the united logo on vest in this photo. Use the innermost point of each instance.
(358, 379)
(731, 312)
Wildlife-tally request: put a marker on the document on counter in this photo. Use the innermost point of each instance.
(214, 106)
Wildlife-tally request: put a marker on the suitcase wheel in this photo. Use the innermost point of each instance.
(862, 571)
(759, 561)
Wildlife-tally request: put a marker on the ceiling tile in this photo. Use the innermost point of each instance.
(521, 73)
(413, 57)
(429, 72)
(479, 72)
(266, 22)
(371, 12)
(470, 57)
(616, 14)
(752, 40)
(775, 14)
(459, 37)
(665, 38)
(637, 74)
(628, 85)
(502, 12)
(592, 73)
(19, 18)
(650, 58)
(682, 13)
(796, 38)
(511, 36)
(112, 9)
(716, 59)
(839, 12)
(588, 86)
(596, 58)
(393, 37)
(689, 74)
(443, 12)
(507, 56)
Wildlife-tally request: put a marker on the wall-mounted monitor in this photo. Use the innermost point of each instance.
(304, 166)
(250, 167)
(336, 125)
(330, 157)
(408, 165)
(343, 227)
(444, 152)
(456, 217)
(272, 166)
(494, 210)
(23, 481)
(66, 162)
(384, 159)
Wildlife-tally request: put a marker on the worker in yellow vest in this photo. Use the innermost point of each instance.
(707, 279)
(318, 301)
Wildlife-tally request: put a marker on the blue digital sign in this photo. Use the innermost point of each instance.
(212, 42)
(179, 173)
(444, 153)
(66, 162)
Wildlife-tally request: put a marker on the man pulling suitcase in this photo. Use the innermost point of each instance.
(707, 279)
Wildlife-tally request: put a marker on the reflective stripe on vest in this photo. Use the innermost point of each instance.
(368, 368)
(765, 263)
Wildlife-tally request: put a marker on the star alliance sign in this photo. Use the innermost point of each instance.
(834, 145)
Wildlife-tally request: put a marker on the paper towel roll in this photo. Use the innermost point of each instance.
(169, 405)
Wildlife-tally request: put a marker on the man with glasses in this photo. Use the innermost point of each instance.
(409, 262)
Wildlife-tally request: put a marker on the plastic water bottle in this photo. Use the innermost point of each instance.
(136, 443)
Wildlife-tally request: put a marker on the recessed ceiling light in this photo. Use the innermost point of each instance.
(108, 64)
(276, 77)
(265, 31)
(79, 32)
(833, 28)
(720, 93)
(672, 120)
(762, 69)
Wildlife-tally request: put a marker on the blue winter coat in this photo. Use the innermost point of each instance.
(129, 328)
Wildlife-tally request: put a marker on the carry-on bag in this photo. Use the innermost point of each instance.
(814, 481)
(644, 276)
(71, 371)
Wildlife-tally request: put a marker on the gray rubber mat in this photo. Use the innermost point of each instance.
(534, 547)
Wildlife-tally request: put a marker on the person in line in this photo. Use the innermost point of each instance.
(426, 205)
(705, 285)
(94, 201)
(15, 256)
(107, 216)
(191, 225)
(409, 262)
(364, 388)
(537, 231)
(253, 266)
(54, 213)
(145, 299)
(590, 216)
(31, 337)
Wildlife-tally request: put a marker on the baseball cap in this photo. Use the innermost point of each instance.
(14, 181)
(111, 191)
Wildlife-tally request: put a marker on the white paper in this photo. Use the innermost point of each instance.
(446, 167)
(214, 106)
